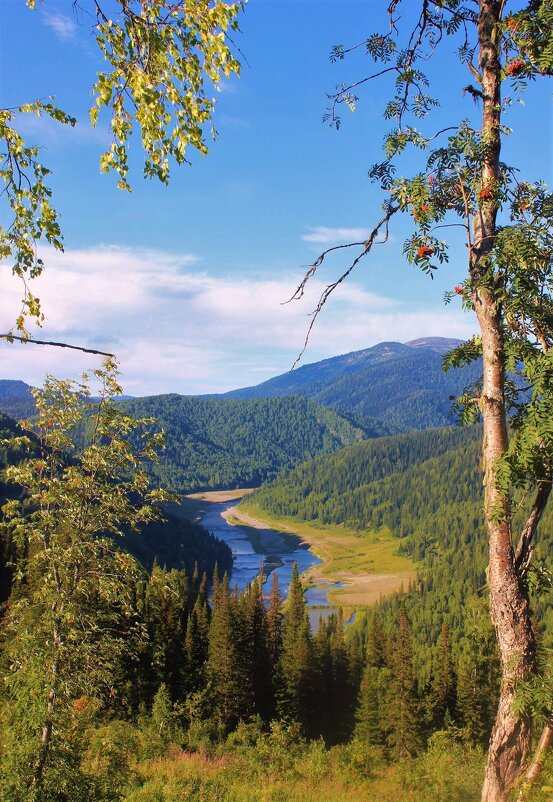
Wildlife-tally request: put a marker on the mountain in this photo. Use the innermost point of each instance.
(391, 387)
(16, 399)
(229, 443)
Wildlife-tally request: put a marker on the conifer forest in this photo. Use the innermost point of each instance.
(253, 575)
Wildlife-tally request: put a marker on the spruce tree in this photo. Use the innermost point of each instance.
(374, 689)
(443, 683)
(341, 695)
(195, 648)
(403, 710)
(296, 662)
(254, 648)
(274, 622)
(225, 666)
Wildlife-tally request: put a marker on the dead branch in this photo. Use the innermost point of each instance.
(525, 547)
(11, 337)
(329, 289)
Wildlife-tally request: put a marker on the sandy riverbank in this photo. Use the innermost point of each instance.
(219, 496)
(342, 553)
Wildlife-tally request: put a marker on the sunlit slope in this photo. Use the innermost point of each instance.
(389, 482)
(225, 443)
(391, 387)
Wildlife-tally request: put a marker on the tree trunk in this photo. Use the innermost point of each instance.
(533, 773)
(46, 738)
(509, 606)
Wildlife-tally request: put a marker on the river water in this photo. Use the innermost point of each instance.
(275, 551)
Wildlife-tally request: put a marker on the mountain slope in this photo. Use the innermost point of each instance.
(384, 482)
(391, 387)
(16, 400)
(227, 443)
(426, 488)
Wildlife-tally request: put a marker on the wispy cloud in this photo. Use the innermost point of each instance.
(53, 133)
(178, 328)
(325, 235)
(64, 27)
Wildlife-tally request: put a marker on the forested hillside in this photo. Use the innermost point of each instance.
(16, 399)
(426, 488)
(225, 443)
(391, 387)
(173, 543)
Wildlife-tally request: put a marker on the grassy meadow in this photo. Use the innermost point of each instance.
(367, 562)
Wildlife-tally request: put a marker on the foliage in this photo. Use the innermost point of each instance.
(161, 56)
(28, 198)
(278, 766)
(69, 618)
(164, 60)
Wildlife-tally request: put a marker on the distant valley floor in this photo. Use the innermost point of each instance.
(364, 564)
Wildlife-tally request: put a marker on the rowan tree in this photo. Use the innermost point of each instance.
(507, 224)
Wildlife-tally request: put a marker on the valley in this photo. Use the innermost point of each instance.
(349, 570)
(374, 555)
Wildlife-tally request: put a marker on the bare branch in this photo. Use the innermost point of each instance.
(10, 337)
(367, 246)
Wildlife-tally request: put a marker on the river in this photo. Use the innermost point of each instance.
(253, 547)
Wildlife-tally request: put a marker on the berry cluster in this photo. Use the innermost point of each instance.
(516, 67)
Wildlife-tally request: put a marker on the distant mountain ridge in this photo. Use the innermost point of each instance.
(392, 386)
(247, 436)
(16, 399)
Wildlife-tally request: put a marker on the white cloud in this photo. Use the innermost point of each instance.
(178, 328)
(324, 235)
(64, 27)
(51, 132)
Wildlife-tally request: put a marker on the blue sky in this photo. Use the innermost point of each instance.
(186, 283)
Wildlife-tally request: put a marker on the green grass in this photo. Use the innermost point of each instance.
(271, 770)
(367, 561)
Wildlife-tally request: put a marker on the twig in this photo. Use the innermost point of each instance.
(367, 245)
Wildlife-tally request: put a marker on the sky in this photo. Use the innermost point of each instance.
(187, 283)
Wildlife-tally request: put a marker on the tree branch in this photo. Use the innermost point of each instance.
(367, 246)
(525, 547)
(11, 337)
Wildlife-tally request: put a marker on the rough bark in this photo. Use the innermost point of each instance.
(510, 611)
